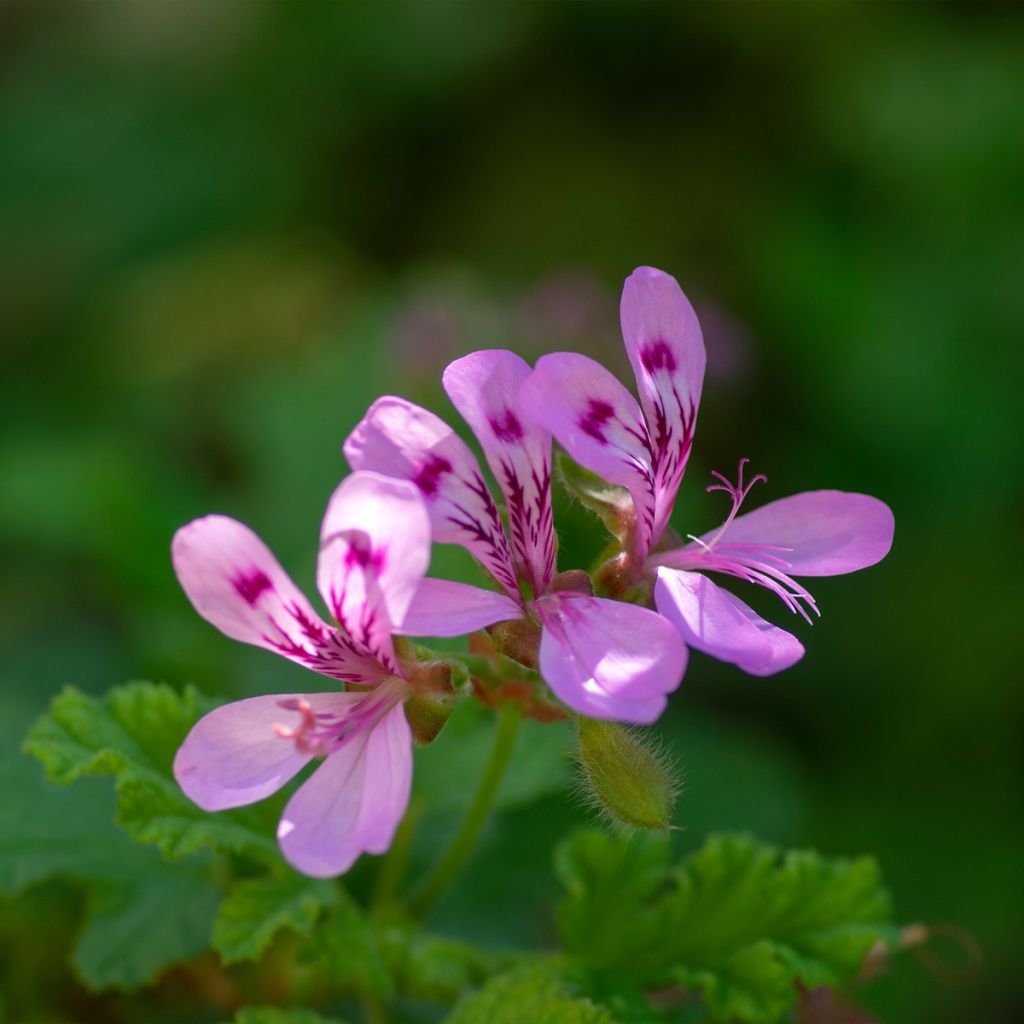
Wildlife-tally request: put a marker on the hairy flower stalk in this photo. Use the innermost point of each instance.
(644, 448)
(374, 550)
(604, 659)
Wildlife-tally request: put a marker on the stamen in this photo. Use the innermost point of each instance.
(304, 735)
(738, 492)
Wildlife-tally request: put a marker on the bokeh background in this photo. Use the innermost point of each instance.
(228, 227)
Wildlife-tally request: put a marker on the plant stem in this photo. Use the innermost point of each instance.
(392, 867)
(445, 871)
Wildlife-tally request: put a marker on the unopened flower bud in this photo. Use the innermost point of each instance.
(623, 579)
(517, 639)
(573, 580)
(625, 775)
(438, 685)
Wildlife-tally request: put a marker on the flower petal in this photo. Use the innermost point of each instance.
(233, 756)
(402, 440)
(666, 349)
(597, 421)
(484, 387)
(353, 802)
(374, 550)
(817, 533)
(718, 623)
(609, 659)
(446, 608)
(235, 583)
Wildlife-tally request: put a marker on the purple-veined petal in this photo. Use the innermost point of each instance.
(609, 659)
(718, 623)
(233, 756)
(374, 550)
(598, 422)
(237, 585)
(403, 440)
(484, 387)
(353, 802)
(816, 533)
(666, 349)
(447, 608)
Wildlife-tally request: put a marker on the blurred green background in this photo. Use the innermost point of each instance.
(228, 227)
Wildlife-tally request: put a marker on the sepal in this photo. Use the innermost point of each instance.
(610, 503)
(438, 685)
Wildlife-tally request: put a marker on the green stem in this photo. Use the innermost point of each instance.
(458, 853)
(392, 867)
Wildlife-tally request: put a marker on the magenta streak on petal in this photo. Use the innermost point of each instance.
(429, 474)
(670, 453)
(331, 652)
(597, 415)
(488, 536)
(506, 428)
(531, 523)
(657, 356)
(250, 585)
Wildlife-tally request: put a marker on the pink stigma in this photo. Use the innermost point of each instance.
(738, 492)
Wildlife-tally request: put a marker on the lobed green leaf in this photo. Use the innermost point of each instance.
(737, 921)
(132, 733)
(255, 910)
(537, 993)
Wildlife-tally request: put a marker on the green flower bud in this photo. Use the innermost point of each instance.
(438, 686)
(625, 775)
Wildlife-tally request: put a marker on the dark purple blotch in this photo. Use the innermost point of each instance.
(429, 475)
(593, 420)
(657, 356)
(506, 428)
(250, 585)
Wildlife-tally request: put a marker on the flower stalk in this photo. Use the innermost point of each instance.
(454, 859)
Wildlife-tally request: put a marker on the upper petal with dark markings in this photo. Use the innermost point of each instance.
(484, 387)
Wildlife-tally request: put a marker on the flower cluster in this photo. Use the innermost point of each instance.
(614, 655)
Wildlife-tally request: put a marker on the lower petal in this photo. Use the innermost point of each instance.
(353, 802)
(447, 608)
(718, 623)
(608, 659)
(233, 756)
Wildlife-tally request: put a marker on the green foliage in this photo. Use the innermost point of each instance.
(273, 1015)
(132, 734)
(142, 914)
(256, 909)
(436, 969)
(735, 920)
(154, 916)
(537, 993)
(625, 775)
(349, 949)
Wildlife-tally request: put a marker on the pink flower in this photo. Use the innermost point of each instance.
(605, 659)
(644, 448)
(374, 550)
